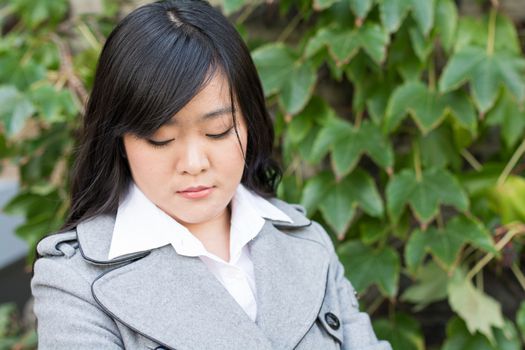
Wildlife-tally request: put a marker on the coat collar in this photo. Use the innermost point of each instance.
(94, 235)
(176, 301)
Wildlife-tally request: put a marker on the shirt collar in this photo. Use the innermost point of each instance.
(140, 225)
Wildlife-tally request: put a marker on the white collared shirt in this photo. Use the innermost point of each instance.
(140, 225)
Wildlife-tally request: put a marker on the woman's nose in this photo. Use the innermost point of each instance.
(193, 158)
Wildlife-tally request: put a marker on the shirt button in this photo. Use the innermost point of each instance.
(332, 320)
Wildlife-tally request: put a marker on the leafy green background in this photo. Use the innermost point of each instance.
(400, 125)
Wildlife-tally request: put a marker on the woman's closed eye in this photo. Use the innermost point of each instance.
(159, 144)
(221, 135)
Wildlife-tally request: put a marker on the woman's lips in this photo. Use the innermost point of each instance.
(196, 194)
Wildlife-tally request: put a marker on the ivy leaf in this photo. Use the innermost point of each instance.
(393, 12)
(53, 105)
(487, 73)
(365, 266)
(402, 332)
(446, 22)
(474, 32)
(438, 148)
(368, 139)
(480, 311)
(230, 6)
(507, 199)
(34, 13)
(274, 62)
(315, 190)
(510, 115)
(424, 195)
(372, 230)
(298, 87)
(445, 244)
(459, 338)
(361, 7)
(323, 4)
(427, 108)
(15, 109)
(339, 203)
(343, 44)
(431, 286)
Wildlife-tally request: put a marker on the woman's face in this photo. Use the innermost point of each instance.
(198, 148)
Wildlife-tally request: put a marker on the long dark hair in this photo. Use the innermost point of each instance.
(152, 64)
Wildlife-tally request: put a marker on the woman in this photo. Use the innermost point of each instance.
(175, 239)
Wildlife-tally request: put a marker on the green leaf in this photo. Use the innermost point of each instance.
(424, 195)
(445, 244)
(230, 6)
(365, 266)
(15, 109)
(459, 338)
(341, 200)
(372, 230)
(438, 149)
(315, 190)
(298, 87)
(507, 199)
(474, 32)
(323, 4)
(423, 13)
(274, 62)
(368, 139)
(430, 286)
(446, 22)
(427, 108)
(393, 12)
(343, 44)
(361, 7)
(480, 311)
(402, 332)
(510, 115)
(53, 105)
(487, 73)
(34, 13)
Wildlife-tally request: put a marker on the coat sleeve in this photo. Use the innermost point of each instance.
(67, 315)
(358, 333)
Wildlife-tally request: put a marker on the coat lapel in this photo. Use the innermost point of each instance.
(176, 301)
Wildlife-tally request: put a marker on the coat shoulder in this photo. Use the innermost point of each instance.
(303, 227)
(58, 244)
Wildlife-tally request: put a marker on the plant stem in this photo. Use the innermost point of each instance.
(431, 74)
(492, 30)
(512, 163)
(473, 162)
(501, 243)
(375, 304)
(290, 27)
(247, 11)
(417, 162)
(519, 275)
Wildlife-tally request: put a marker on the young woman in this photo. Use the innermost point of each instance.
(175, 239)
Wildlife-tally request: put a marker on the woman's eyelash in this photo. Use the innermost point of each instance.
(218, 136)
(160, 144)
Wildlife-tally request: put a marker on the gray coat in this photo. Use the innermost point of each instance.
(157, 299)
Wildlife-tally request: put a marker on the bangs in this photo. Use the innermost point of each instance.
(161, 70)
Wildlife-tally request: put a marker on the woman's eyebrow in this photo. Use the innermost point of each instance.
(207, 116)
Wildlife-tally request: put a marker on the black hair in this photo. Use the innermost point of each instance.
(152, 64)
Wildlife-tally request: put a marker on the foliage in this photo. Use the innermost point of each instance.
(413, 163)
(12, 333)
